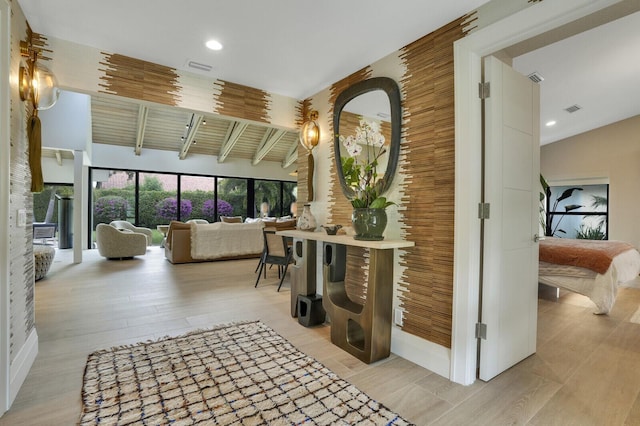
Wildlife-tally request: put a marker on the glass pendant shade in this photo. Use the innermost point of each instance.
(44, 87)
(310, 134)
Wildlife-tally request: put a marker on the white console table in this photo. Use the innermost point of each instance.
(362, 330)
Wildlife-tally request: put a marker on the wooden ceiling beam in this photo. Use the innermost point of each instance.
(194, 124)
(292, 155)
(234, 131)
(269, 140)
(143, 111)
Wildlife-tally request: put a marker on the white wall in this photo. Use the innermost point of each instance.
(67, 124)
(54, 173)
(611, 152)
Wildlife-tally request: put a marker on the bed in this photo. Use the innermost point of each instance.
(592, 268)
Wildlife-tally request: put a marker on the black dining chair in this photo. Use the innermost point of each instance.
(276, 252)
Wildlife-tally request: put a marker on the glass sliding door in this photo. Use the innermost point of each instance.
(232, 197)
(150, 199)
(113, 197)
(268, 198)
(158, 200)
(290, 198)
(198, 193)
(45, 211)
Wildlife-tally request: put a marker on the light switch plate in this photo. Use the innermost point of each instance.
(22, 218)
(398, 317)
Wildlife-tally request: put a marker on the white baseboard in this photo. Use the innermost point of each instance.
(426, 354)
(22, 364)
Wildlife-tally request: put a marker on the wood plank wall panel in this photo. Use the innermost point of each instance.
(357, 272)
(302, 110)
(20, 262)
(243, 102)
(340, 207)
(138, 79)
(426, 288)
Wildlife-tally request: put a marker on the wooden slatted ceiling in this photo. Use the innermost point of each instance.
(114, 121)
(164, 128)
(210, 137)
(279, 152)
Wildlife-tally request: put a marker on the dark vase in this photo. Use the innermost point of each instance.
(369, 224)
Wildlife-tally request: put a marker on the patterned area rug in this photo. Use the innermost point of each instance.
(234, 374)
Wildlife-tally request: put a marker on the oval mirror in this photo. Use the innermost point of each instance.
(374, 100)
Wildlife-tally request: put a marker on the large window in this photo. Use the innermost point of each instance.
(268, 198)
(158, 200)
(45, 203)
(232, 197)
(152, 199)
(578, 211)
(198, 198)
(113, 196)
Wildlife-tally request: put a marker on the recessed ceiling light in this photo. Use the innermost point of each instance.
(214, 45)
(551, 123)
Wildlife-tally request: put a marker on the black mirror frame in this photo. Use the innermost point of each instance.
(390, 87)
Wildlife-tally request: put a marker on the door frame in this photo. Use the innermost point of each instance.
(468, 52)
(5, 155)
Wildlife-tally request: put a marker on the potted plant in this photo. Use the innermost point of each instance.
(360, 171)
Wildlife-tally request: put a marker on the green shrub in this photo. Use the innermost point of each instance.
(109, 208)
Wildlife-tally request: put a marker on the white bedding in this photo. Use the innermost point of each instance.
(216, 240)
(600, 288)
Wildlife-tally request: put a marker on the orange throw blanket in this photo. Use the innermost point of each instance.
(591, 254)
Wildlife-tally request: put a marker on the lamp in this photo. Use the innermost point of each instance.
(37, 83)
(38, 86)
(309, 138)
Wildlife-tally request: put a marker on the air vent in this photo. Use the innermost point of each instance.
(535, 77)
(573, 108)
(199, 66)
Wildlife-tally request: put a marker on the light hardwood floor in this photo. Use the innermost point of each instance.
(586, 370)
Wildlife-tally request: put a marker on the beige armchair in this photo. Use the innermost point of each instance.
(116, 244)
(123, 224)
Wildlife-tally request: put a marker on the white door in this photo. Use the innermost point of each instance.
(510, 249)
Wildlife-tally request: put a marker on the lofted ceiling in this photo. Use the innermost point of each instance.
(297, 48)
(294, 48)
(123, 122)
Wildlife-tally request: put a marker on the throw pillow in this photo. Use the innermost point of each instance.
(231, 219)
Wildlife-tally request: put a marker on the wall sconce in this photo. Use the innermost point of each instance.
(38, 86)
(309, 138)
(37, 83)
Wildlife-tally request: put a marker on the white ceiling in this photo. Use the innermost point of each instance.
(290, 47)
(298, 47)
(599, 70)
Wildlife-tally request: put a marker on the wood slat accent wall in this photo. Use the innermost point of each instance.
(302, 110)
(357, 272)
(243, 102)
(426, 289)
(340, 206)
(137, 79)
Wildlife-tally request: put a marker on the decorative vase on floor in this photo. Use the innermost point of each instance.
(369, 224)
(306, 221)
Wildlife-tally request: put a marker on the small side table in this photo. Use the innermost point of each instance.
(163, 229)
(42, 259)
